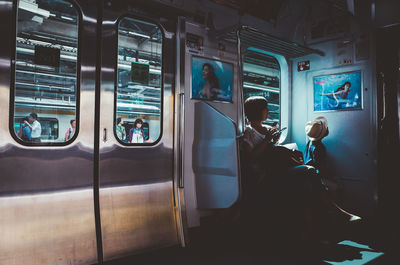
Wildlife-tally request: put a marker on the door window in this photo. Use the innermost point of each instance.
(46, 72)
(261, 77)
(139, 82)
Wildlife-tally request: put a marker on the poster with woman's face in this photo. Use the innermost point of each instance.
(338, 92)
(211, 80)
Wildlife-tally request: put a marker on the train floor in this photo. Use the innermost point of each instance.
(219, 243)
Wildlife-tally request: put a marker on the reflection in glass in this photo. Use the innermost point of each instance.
(138, 104)
(45, 70)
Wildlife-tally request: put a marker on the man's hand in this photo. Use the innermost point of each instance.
(275, 134)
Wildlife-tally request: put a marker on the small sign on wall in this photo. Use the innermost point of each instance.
(303, 66)
(194, 43)
(47, 56)
(140, 73)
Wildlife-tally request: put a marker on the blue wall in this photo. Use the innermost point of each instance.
(352, 141)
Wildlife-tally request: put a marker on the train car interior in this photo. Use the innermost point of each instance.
(199, 132)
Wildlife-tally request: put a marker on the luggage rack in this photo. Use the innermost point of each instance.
(251, 37)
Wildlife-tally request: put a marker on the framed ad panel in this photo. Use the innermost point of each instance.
(341, 91)
(212, 80)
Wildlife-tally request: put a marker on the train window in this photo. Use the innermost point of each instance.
(139, 82)
(261, 77)
(46, 72)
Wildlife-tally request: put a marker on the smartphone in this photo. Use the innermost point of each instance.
(279, 131)
(274, 124)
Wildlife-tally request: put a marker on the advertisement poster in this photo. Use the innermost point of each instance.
(211, 80)
(338, 92)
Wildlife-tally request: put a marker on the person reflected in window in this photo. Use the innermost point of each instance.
(24, 131)
(210, 88)
(35, 127)
(136, 134)
(71, 130)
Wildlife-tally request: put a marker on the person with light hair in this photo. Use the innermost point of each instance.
(315, 152)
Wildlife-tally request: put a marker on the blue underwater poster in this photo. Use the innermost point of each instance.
(338, 92)
(211, 80)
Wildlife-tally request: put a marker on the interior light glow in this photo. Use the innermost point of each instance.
(138, 34)
(67, 18)
(31, 7)
(246, 85)
(136, 106)
(47, 44)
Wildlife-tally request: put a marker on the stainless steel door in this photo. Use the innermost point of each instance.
(46, 191)
(136, 181)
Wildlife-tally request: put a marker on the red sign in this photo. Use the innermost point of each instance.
(303, 66)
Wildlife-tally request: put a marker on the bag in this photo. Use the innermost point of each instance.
(279, 158)
(287, 157)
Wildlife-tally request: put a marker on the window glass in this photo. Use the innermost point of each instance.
(261, 77)
(139, 83)
(45, 94)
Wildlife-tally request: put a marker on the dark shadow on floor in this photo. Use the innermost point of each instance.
(217, 242)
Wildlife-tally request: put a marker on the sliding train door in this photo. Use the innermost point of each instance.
(136, 188)
(47, 72)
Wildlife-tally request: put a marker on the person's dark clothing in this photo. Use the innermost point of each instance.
(315, 155)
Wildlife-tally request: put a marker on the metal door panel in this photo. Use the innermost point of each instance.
(136, 182)
(46, 194)
(215, 158)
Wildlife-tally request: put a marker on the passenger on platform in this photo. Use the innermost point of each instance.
(300, 183)
(35, 127)
(120, 129)
(71, 130)
(136, 134)
(24, 131)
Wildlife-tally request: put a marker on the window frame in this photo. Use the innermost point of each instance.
(284, 94)
(14, 73)
(159, 26)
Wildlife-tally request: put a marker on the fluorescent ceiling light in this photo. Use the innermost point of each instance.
(67, 18)
(138, 34)
(31, 7)
(47, 44)
(136, 106)
(155, 71)
(274, 90)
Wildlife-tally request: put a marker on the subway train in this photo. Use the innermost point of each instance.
(156, 90)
